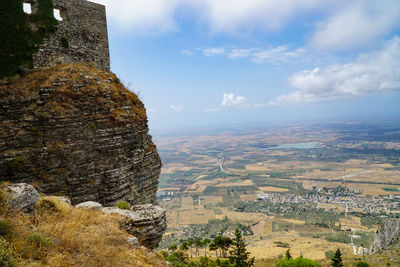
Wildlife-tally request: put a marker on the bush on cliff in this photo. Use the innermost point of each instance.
(123, 205)
(51, 205)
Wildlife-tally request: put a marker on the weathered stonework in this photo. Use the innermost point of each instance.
(75, 130)
(80, 37)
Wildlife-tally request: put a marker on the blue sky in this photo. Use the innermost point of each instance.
(215, 62)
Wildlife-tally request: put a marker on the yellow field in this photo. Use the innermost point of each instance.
(257, 168)
(308, 247)
(273, 189)
(198, 216)
(238, 183)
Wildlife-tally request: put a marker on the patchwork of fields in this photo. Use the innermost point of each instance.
(312, 187)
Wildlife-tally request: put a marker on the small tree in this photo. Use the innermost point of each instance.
(287, 255)
(205, 242)
(190, 244)
(239, 254)
(173, 247)
(184, 246)
(214, 247)
(197, 243)
(337, 259)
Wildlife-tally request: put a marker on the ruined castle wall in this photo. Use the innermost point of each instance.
(81, 35)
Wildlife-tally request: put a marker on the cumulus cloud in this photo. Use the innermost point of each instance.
(229, 100)
(176, 108)
(370, 73)
(357, 23)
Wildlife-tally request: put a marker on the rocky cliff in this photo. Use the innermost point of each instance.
(75, 130)
(387, 237)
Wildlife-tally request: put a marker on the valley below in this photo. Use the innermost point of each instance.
(311, 188)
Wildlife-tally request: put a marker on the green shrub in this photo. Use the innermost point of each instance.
(123, 205)
(298, 262)
(64, 42)
(39, 240)
(362, 264)
(329, 254)
(18, 40)
(38, 245)
(6, 229)
(8, 256)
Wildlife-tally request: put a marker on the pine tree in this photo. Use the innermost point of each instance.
(239, 255)
(337, 259)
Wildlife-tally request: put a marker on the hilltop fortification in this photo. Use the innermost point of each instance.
(43, 33)
(81, 35)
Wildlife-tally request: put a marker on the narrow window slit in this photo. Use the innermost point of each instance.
(27, 8)
(57, 15)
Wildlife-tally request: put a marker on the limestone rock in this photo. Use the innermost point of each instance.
(387, 236)
(133, 241)
(75, 130)
(146, 222)
(22, 197)
(89, 205)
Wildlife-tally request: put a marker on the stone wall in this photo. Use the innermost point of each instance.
(75, 130)
(81, 35)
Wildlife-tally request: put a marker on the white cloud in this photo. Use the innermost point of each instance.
(370, 73)
(229, 100)
(345, 23)
(258, 55)
(186, 53)
(357, 23)
(239, 53)
(214, 51)
(278, 54)
(176, 108)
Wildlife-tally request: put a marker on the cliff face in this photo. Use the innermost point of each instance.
(387, 236)
(75, 130)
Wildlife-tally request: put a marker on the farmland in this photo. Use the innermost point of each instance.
(313, 187)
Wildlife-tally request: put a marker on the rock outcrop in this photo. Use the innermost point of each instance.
(146, 222)
(75, 130)
(387, 236)
(22, 197)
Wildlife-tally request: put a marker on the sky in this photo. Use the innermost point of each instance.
(201, 63)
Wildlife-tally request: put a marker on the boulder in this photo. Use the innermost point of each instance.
(89, 205)
(22, 197)
(146, 222)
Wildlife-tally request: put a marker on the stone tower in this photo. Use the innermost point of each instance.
(81, 35)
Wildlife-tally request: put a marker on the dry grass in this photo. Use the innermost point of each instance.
(80, 237)
(273, 189)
